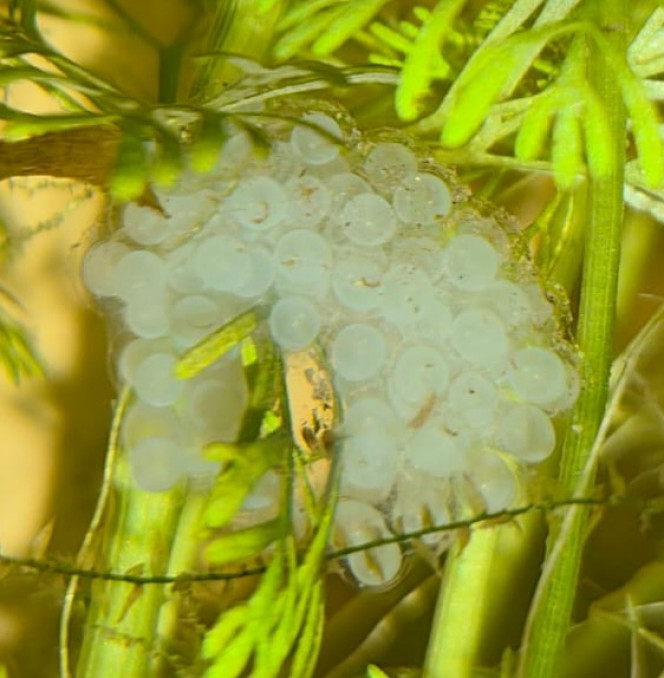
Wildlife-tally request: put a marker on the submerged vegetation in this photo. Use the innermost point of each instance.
(549, 108)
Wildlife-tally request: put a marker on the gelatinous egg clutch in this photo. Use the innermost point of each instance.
(446, 357)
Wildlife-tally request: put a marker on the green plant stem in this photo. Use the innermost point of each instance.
(550, 615)
(120, 629)
(459, 619)
(481, 579)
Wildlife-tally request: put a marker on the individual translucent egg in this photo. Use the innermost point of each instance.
(192, 318)
(146, 421)
(419, 375)
(434, 451)
(494, 480)
(343, 187)
(261, 275)
(155, 381)
(474, 398)
(423, 199)
(147, 316)
(309, 201)
(357, 523)
(99, 267)
(358, 352)
(134, 352)
(541, 307)
(200, 472)
(421, 504)
(371, 414)
(139, 273)
(538, 375)
(236, 152)
(486, 229)
(258, 203)
(314, 147)
(435, 323)
(510, 302)
(390, 165)
(479, 336)
(155, 464)
(303, 260)
(420, 252)
(216, 407)
(470, 262)
(368, 220)
(181, 214)
(356, 281)
(283, 163)
(571, 393)
(369, 464)
(294, 322)
(527, 433)
(223, 262)
(405, 294)
(144, 225)
(182, 274)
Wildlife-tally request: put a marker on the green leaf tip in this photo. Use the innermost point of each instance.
(215, 345)
(131, 172)
(243, 544)
(480, 89)
(207, 139)
(424, 61)
(567, 151)
(243, 467)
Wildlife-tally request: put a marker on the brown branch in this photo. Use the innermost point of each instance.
(85, 154)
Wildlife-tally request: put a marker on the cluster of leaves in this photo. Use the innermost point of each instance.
(509, 84)
(283, 619)
(154, 141)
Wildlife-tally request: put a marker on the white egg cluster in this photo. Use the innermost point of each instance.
(443, 349)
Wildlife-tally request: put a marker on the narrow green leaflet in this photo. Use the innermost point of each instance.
(301, 34)
(567, 149)
(306, 651)
(130, 173)
(243, 544)
(484, 85)
(243, 466)
(263, 371)
(536, 124)
(225, 629)
(207, 138)
(215, 345)
(349, 19)
(168, 159)
(424, 61)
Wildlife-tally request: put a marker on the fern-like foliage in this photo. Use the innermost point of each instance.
(507, 85)
(140, 141)
(280, 624)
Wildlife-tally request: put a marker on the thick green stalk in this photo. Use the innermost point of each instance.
(459, 621)
(478, 588)
(120, 636)
(551, 612)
